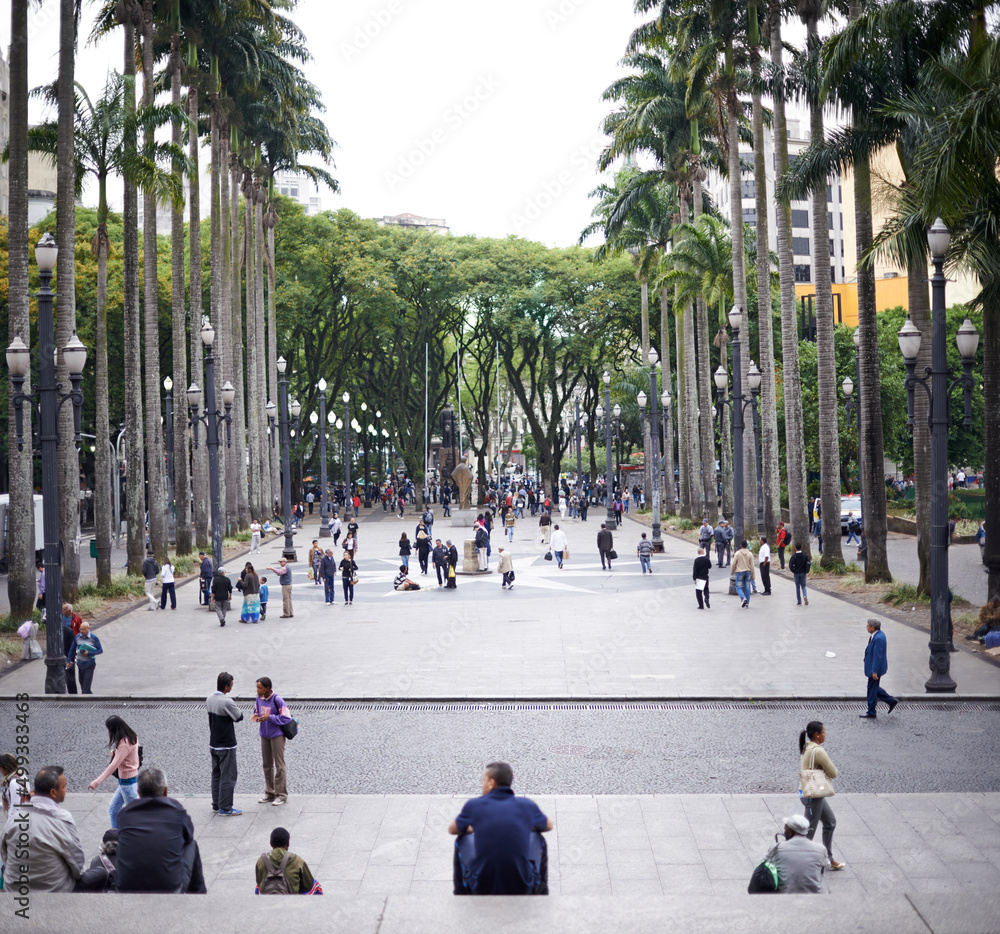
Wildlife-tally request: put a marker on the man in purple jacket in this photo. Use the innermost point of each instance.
(272, 713)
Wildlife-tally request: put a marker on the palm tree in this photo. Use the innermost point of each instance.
(770, 474)
(69, 461)
(240, 421)
(795, 451)
(810, 12)
(182, 454)
(102, 129)
(21, 467)
(155, 481)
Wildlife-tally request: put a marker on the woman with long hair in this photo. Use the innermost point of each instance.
(250, 613)
(124, 762)
(812, 755)
(404, 551)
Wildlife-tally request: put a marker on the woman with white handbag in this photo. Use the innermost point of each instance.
(816, 774)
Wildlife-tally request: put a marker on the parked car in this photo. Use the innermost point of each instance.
(849, 504)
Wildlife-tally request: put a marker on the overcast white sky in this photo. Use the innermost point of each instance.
(485, 115)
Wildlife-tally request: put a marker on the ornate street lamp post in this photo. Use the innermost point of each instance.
(47, 400)
(609, 476)
(349, 497)
(168, 431)
(212, 419)
(668, 454)
(653, 357)
(324, 503)
(579, 442)
(939, 385)
(288, 552)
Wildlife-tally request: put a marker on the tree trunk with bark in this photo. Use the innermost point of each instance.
(135, 449)
(21, 514)
(102, 453)
(647, 434)
(274, 487)
(69, 460)
(239, 407)
(217, 271)
(668, 504)
(199, 455)
(706, 426)
(683, 448)
(991, 468)
(155, 482)
(795, 455)
(229, 336)
(182, 478)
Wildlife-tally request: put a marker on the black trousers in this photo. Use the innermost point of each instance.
(422, 559)
(702, 596)
(781, 556)
(86, 673)
(765, 577)
(223, 778)
(440, 573)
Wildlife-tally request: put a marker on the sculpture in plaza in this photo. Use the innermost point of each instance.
(462, 476)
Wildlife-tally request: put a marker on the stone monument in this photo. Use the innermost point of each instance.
(462, 475)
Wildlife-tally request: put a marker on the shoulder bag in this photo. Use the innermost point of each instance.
(289, 730)
(813, 782)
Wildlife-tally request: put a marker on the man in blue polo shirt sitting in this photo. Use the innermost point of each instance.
(500, 849)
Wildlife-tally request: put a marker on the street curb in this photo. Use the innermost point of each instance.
(917, 699)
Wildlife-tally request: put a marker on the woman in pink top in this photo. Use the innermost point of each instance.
(125, 759)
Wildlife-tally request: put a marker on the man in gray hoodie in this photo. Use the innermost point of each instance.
(40, 846)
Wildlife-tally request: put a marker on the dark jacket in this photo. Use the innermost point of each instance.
(222, 588)
(206, 569)
(605, 540)
(453, 556)
(150, 568)
(328, 566)
(222, 715)
(482, 537)
(347, 568)
(251, 584)
(799, 563)
(702, 565)
(404, 546)
(440, 555)
(876, 659)
(152, 836)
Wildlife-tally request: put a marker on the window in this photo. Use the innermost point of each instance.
(294, 192)
(749, 189)
(829, 194)
(833, 273)
(800, 219)
(803, 273)
(841, 221)
(829, 220)
(842, 276)
(841, 249)
(840, 192)
(284, 191)
(749, 215)
(832, 253)
(800, 246)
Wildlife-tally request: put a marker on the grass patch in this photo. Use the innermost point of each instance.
(10, 645)
(185, 564)
(243, 536)
(121, 585)
(901, 594)
(87, 606)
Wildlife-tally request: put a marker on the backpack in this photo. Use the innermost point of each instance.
(276, 883)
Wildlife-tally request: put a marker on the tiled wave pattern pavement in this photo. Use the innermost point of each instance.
(598, 749)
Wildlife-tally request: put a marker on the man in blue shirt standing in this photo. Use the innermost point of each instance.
(500, 849)
(876, 665)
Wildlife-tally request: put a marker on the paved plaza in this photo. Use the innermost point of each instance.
(578, 632)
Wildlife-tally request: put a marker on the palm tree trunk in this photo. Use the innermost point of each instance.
(647, 434)
(155, 482)
(255, 404)
(706, 425)
(102, 454)
(135, 450)
(826, 363)
(683, 450)
(217, 272)
(258, 374)
(740, 300)
(199, 455)
(770, 475)
(228, 334)
(69, 461)
(21, 464)
(726, 431)
(272, 323)
(182, 480)
(991, 469)
(920, 315)
(239, 406)
(869, 393)
(795, 452)
(668, 439)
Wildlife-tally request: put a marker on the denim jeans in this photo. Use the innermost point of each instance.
(800, 587)
(743, 585)
(122, 796)
(559, 555)
(852, 536)
(405, 561)
(645, 563)
(329, 589)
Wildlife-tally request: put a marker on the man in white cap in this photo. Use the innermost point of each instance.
(801, 862)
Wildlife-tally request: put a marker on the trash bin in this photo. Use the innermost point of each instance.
(93, 548)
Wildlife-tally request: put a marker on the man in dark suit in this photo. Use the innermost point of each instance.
(605, 545)
(876, 665)
(206, 573)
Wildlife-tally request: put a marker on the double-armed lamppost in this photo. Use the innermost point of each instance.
(168, 435)
(47, 400)
(324, 503)
(851, 403)
(349, 496)
(737, 405)
(212, 419)
(288, 552)
(609, 476)
(938, 383)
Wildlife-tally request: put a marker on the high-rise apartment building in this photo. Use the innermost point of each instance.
(299, 187)
(806, 254)
(413, 222)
